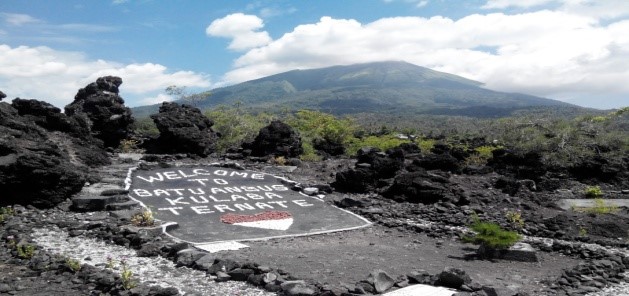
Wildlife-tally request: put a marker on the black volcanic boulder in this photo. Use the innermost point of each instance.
(421, 187)
(104, 110)
(276, 139)
(359, 180)
(183, 129)
(50, 117)
(518, 164)
(33, 169)
(599, 168)
(385, 164)
(2, 95)
(86, 148)
(326, 147)
(444, 162)
(372, 170)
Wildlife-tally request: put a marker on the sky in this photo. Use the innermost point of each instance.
(576, 51)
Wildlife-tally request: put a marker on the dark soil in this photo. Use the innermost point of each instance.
(348, 257)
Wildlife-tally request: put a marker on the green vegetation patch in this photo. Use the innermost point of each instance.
(491, 235)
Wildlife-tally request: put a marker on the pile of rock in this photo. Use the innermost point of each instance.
(372, 169)
(33, 168)
(45, 154)
(100, 106)
(276, 139)
(183, 129)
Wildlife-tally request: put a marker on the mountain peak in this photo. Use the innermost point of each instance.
(384, 87)
(382, 74)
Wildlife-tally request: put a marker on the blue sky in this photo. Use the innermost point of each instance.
(571, 50)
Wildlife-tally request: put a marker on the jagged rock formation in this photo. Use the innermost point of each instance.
(86, 148)
(183, 129)
(33, 169)
(50, 117)
(277, 139)
(103, 109)
(372, 166)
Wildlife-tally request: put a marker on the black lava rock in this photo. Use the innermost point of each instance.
(276, 139)
(183, 129)
(103, 109)
(33, 169)
(89, 150)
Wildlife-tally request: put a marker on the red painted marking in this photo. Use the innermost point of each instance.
(268, 215)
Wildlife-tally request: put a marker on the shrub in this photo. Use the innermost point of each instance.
(381, 142)
(73, 264)
(144, 218)
(491, 235)
(583, 231)
(6, 212)
(315, 125)
(515, 218)
(235, 126)
(25, 251)
(309, 154)
(593, 192)
(145, 126)
(126, 275)
(601, 207)
(128, 145)
(426, 144)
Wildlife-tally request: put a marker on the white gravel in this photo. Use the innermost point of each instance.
(152, 271)
(614, 290)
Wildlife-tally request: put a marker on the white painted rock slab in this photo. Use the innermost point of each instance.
(222, 246)
(423, 290)
(568, 204)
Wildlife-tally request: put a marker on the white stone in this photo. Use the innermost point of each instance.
(423, 290)
(221, 246)
(279, 224)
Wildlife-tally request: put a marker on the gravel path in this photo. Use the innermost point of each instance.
(152, 271)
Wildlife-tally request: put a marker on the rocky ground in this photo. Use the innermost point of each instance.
(411, 242)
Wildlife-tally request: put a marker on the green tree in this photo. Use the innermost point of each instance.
(192, 99)
(236, 126)
(318, 126)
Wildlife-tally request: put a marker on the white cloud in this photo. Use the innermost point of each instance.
(116, 2)
(18, 19)
(500, 4)
(160, 98)
(607, 9)
(422, 3)
(55, 76)
(545, 53)
(418, 3)
(242, 29)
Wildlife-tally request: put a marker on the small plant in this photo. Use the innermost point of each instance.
(6, 212)
(310, 154)
(11, 241)
(128, 145)
(126, 275)
(144, 218)
(602, 207)
(583, 231)
(491, 235)
(425, 145)
(593, 192)
(279, 160)
(25, 251)
(110, 263)
(515, 218)
(73, 264)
